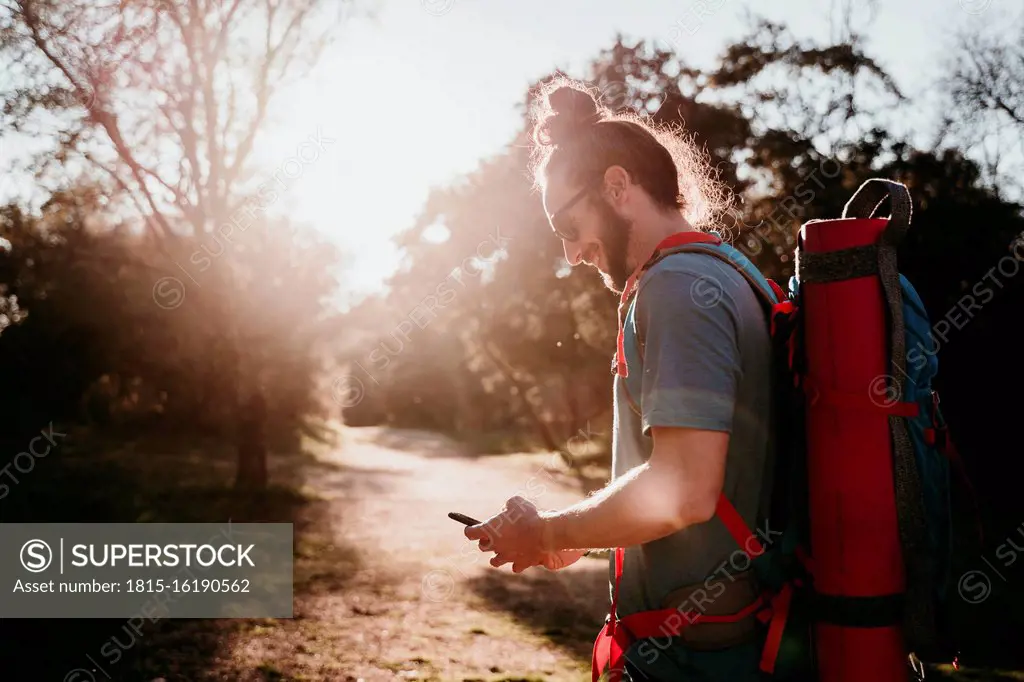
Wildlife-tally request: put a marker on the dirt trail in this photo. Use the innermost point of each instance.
(418, 600)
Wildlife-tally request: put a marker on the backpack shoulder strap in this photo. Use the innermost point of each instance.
(768, 292)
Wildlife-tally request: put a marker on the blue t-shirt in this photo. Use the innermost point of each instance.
(706, 365)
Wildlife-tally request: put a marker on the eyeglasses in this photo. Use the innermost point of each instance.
(572, 234)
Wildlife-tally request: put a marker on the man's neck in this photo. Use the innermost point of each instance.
(647, 239)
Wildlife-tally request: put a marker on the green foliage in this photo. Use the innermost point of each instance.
(160, 105)
(104, 336)
(791, 126)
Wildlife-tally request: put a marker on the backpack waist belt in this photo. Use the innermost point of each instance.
(618, 634)
(717, 596)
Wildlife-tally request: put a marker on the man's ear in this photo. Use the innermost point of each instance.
(616, 182)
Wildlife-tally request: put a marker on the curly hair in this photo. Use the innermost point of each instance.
(574, 134)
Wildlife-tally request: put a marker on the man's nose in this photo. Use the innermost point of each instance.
(573, 252)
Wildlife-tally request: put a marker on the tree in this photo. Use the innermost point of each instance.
(793, 128)
(85, 342)
(540, 333)
(984, 90)
(164, 101)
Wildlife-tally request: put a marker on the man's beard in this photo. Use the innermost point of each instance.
(614, 237)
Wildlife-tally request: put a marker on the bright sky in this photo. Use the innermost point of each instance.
(421, 93)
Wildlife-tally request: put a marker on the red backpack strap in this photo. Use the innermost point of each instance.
(613, 640)
(773, 298)
(668, 245)
(738, 528)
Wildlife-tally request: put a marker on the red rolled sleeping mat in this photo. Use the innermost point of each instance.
(852, 408)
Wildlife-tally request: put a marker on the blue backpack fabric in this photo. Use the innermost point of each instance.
(929, 434)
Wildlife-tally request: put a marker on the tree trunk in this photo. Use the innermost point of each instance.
(252, 442)
(250, 414)
(543, 430)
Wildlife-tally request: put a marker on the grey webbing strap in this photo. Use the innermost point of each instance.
(833, 266)
(869, 197)
(919, 618)
(860, 261)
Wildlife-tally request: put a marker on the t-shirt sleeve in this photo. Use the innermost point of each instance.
(691, 360)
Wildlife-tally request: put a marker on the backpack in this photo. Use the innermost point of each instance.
(782, 566)
(847, 275)
(862, 478)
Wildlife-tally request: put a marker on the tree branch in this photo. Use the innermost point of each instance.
(99, 116)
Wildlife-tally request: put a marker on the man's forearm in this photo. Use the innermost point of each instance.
(639, 507)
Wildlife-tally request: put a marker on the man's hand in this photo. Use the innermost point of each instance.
(562, 558)
(549, 560)
(516, 536)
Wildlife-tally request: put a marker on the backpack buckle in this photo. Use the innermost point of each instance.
(938, 425)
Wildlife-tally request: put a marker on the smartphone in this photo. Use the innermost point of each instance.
(470, 521)
(463, 519)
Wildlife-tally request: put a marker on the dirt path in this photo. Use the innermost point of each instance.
(396, 592)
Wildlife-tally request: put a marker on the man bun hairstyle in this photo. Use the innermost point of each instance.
(573, 134)
(573, 113)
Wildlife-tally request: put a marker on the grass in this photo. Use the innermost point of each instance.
(947, 672)
(98, 478)
(270, 673)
